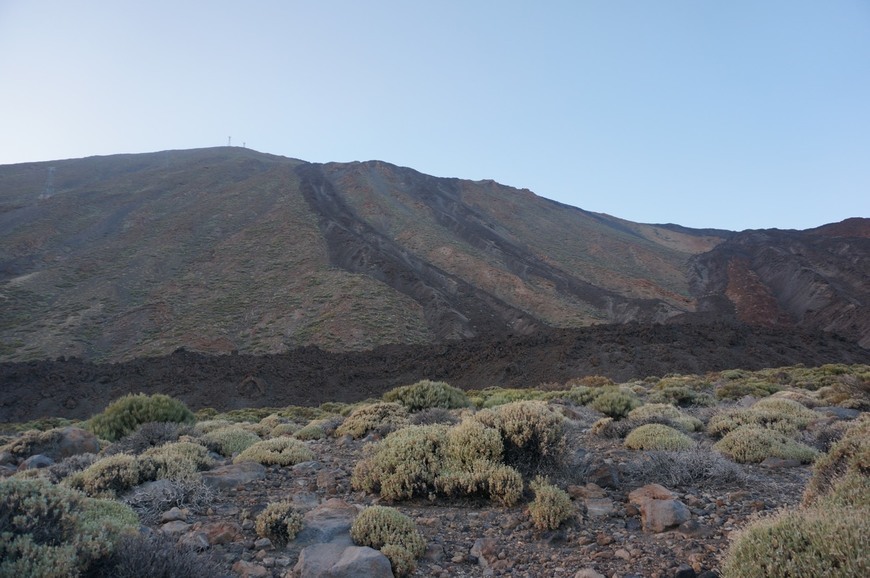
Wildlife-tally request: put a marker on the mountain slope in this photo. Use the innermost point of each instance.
(215, 250)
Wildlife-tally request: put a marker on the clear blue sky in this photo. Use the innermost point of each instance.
(730, 114)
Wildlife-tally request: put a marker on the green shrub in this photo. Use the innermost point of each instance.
(738, 388)
(681, 396)
(381, 417)
(425, 394)
(52, 531)
(849, 457)
(753, 444)
(802, 544)
(230, 440)
(581, 394)
(312, 431)
(500, 483)
(670, 414)
(532, 434)
(279, 522)
(656, 436)
(108, 476)
(405, 463)
(278, 451)
(471, 441)
(381, 526)
(615, 402)
(209, 425)
(174, 461)
(551, 505)
(288, 429)
(124, 415)
(777, 414)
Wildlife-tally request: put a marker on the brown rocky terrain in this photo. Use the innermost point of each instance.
(227, 249)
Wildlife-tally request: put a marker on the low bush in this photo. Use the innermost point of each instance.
(615, 402)
(147, 436)
(107, 477)
(667, 412)
(682, 468)
(777, 414)
(533, 435)
(681, 396)
(174, 461)
(404, 463)
(52, 531)
(282, 451)
(551, 505)
(740, 387)
(381, 526)
(151, 500)
(805, 543)
(426, 394)
(314, 430)
(656, 436)
(156, 556)
(753, 444)
(279, 522)
(380, 417)
(849, 457)
(433, 415)
(126, 414)
(229, 441)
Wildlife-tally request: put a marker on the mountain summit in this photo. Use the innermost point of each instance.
(227, 249)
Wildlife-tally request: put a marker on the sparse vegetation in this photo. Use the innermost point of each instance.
(427, 394)
(656, 436)
(279, 522)
(753, 444)
(551, 505)
(283, 451)
(381, 417)
(382, 526)
(124, 415)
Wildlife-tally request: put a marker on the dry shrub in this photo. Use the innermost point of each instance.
(753, 444)
(380, 417)
(279, 522)
(551, 505)
(427, 394)
(282, 451)
(381, 526)
(656, 436)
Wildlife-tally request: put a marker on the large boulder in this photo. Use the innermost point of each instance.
(659, 508)
(335, 560)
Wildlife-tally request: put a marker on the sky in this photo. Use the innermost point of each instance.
(731, 115)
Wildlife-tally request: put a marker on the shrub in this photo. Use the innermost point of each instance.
(580, 395)
(500, 483)
(551, 505)
(849, 457)
(151, 502)
(807, 543)
(615, 402)
(59, 471)
(380, 526)
(156, 556)
(693, 466)
(209, 425)
(381, 417)
(471, 441)
(426, 394)
(405, 463)
(279, 451)
(288, 429)
(532, 434)
(279, 522)
(146, 436)
(174, 461)
(656, 436)
(668, 413)
(753, 444)
(124, 415)
(682, 396)
(313, 431)
(52, 531)
(107, 477)
(231, 440)
(778, 414)
(433, 415)
(739, 388)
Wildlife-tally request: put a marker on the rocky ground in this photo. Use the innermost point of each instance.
(607, 535)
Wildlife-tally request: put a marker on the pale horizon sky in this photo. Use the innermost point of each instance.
(731, 115)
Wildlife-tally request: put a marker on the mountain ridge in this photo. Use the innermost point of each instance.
(228, 249)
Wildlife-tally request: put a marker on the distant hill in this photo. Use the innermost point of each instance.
(227, 249)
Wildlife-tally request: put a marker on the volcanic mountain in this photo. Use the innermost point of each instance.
(227, 249)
